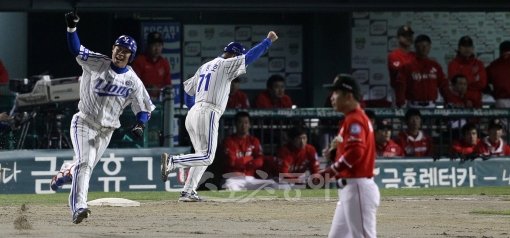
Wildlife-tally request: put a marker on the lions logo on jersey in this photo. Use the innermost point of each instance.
(106, 88)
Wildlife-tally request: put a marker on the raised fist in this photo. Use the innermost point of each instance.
(72, 19)
(272, 36)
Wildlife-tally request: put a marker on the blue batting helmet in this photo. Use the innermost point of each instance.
(128, 42)
(235, 48)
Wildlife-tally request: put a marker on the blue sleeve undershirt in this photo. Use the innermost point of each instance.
(73, 42)
(142, 117)
(255, 52)
(189, 100)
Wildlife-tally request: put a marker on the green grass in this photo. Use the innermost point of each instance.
(492, 212)
(61, 197)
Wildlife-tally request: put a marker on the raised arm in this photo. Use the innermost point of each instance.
(258, 50)
(73, 42)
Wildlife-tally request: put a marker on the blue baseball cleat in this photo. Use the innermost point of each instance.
(60, 179)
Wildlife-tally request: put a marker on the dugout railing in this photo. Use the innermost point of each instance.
(270, 126)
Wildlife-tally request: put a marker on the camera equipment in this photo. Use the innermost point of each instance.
(48, 98)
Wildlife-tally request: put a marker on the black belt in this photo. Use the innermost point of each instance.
(340, 183)
(421, 103)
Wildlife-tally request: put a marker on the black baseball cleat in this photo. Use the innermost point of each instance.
(166, 166)
(190, 197)
(81, 214)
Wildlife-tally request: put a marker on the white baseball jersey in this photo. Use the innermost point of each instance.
(211, 86)
(211, 82)
(103, 96)
(104, 93)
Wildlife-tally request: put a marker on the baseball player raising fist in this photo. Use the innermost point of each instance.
(354, 165)
(107, 86)
(210, 87)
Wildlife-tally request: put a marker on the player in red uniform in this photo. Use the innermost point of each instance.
(298, 157)
(493, 144)
(274, 96)
(237, 98)
(467, 64)
(418, 82)
(497, 74)
(413, 140)
(402, 55)
(469, 142)
(386, 147)
(152, 68)
(244, 157)
(355, 214)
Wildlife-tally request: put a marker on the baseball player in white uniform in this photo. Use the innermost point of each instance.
(107, 86)
(210, 87)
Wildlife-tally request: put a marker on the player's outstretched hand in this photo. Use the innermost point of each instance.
(272, 36)
(137, 130)
(72, 19)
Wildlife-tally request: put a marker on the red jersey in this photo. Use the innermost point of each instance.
(469, 100)
(390, 149)
(474, 71)
(396, 60)
(264, 101)
(420, 81)
(4, 76)
(298, 160)
(418, 146)
(239, 99)
(357, 148)
(485, 147)
(497, 74)
(460, 147)
(154, 74)
(244, 154)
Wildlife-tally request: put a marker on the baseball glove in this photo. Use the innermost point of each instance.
(137, 130)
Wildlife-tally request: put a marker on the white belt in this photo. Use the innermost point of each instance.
(207, 105)
(94, 124)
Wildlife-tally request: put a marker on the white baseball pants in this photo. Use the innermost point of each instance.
(202, 124)
(89, 143)
(355, 214)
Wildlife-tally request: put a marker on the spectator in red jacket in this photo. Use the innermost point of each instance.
(4, 76)
(244, 157)
(385, 146)
(274, 96)
(467, 64)
(498, 76)
(298, 157)
(459, 97)
(237, 98)
(467, 145)
(419, 82)
(413, 140)
(402, 55)
(493, 144)
(152, 68)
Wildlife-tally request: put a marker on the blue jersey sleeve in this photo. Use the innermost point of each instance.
(257, 51)
(73, 42)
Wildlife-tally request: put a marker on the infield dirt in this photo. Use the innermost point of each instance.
(441, 216)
